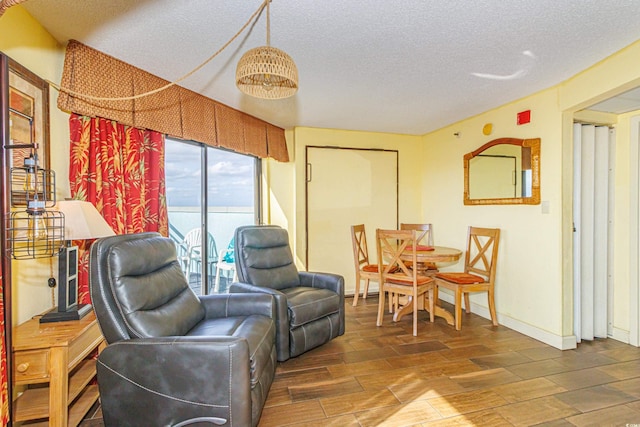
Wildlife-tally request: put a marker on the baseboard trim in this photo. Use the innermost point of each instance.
(560, 342)
(620, 335)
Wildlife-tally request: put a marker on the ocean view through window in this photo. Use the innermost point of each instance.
(226, 183)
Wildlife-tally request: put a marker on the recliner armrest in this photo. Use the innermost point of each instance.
(333, 282)
(238, 304)
(281, 310)
(165, 376)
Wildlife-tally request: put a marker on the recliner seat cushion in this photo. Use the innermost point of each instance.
(259, 331)
(309, 304)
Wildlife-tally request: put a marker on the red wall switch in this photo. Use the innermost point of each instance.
(524, 117)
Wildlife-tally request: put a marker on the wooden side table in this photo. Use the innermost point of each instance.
(53, 361)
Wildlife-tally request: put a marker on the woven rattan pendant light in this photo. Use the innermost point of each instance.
(266, 72)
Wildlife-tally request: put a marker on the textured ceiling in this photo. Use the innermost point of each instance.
(401, 66)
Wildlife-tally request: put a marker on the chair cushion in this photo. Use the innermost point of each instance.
(308, 304)
(229, 255)
(370, 268)
(373, 268)
(259, 331)
(406, 280)
(461, 278)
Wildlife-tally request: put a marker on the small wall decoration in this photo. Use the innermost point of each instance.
(28, 115)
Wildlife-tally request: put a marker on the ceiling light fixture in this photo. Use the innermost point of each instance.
(267, 72)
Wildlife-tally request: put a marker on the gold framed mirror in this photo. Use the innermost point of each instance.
(505, 171)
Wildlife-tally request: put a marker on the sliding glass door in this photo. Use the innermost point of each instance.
(210, 192)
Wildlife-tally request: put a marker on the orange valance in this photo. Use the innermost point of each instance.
(175, 111)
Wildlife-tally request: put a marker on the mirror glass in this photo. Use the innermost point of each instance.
(503, 171)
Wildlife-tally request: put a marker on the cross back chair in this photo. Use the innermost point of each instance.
(425, 235)
(398, 272)
(481, 260)
(425, 240)
(364, 269)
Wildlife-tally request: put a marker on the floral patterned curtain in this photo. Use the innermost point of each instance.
(120, 169)
(4, 377)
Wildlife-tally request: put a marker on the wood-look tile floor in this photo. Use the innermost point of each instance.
(479, 376)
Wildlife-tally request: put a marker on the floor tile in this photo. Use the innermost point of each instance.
(408, 414)
(536, 411)
(541, 353)
(422, 347)
(319, 389)
(623, 354)
(593, 398)
(466, 402)
(421, 389)
(356, 402)
(501, 360)
(485, 379)
(277, 416)
(540, 368)
(631, 387)
(467, 352)
(622, 370)
(528, 389)
(487, 418)
(581, 379)
(364, 355)
(620, 415)
(584, 360)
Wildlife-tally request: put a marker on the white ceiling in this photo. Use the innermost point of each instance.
(401, 66)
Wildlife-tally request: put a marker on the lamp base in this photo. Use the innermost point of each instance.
(63, 316)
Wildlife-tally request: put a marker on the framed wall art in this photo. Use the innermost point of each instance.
(28, 115)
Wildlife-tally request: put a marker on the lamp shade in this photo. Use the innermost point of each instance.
(268, 73)
(83, 221)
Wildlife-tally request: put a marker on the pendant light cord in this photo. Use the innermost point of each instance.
(175, 82)
(268, 23)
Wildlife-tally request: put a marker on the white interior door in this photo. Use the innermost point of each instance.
(593, 194)
(346, 187)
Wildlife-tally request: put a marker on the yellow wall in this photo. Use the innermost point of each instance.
(528, 291)
(24, 40)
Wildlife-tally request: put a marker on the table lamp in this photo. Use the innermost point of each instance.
(82, 222)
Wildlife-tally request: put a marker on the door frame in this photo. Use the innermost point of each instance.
(634, 231)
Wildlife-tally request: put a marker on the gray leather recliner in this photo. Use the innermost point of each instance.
(174, 358)
(309, 306)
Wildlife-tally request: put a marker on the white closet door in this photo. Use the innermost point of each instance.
(346, 187)
(591, 218)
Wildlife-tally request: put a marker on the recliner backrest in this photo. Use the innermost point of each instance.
(138, 288)
(263, 257)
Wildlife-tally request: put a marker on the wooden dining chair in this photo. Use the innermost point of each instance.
(425, 240)
(425, 235)
(398, 272)
(481, 260)
(364, 269)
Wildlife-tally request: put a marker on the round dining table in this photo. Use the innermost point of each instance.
(428, 257)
